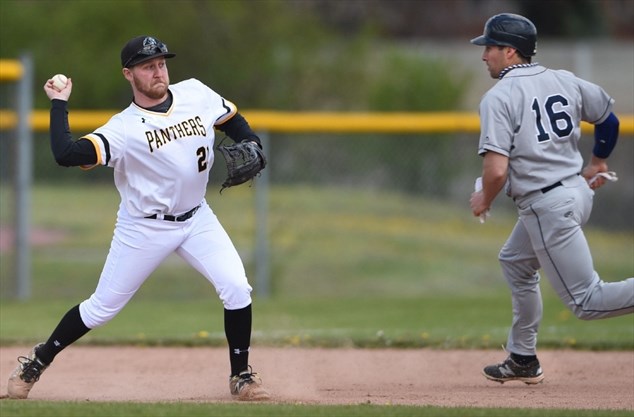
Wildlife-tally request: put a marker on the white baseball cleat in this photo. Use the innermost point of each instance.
(25, 375)
(247, 386)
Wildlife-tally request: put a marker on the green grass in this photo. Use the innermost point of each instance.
(93, 409)
(433, 322)
(349, 268)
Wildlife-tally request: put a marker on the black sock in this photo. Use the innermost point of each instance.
(238, 332)
(523, 359)
(70, 328)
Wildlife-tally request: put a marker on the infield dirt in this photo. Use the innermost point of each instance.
(574, 379)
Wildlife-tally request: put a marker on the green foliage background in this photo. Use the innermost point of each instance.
(273, 54)
(270, 54)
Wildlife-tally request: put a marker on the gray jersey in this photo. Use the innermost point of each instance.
(533, 116)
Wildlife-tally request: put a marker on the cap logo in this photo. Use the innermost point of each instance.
(150, 45)
(148, 48)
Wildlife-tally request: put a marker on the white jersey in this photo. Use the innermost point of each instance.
(532, 115)
(161, 161)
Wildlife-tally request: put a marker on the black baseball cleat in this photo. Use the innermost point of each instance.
(509, 370)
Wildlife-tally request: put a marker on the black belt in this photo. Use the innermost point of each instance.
(180, 218)
(550, 187)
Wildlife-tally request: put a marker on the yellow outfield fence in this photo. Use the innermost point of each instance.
(310, 122)
(287, 122)
(10, 70)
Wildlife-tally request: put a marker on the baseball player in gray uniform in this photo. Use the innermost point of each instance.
(530, 128)
(161, 150)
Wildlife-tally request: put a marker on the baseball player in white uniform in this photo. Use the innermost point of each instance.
(530, 129)
(161, 150)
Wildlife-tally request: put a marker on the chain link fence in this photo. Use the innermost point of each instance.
(438, 166)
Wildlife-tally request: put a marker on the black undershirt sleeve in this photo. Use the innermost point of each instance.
(238, 129)
(66, 151)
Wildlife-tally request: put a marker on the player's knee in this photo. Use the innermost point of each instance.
(236, 296)
(584, 312)
(507, 264)
(95, 315)
(586, 316)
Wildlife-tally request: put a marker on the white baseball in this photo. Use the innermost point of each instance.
(59, 81)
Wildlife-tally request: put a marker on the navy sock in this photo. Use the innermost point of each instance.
(523, 359)
(238, 332)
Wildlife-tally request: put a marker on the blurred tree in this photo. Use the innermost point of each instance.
(261, 54)
(567, 18)
(459, 19)
(398, 73)
(273, 54)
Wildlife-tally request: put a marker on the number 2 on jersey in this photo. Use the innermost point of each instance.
(559, 121)
(202, 158)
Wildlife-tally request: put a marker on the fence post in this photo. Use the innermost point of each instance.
(23, 180)
(262, 187)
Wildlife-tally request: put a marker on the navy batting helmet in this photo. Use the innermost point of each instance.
(512, 30)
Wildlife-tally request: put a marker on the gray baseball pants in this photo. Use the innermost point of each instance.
(549, 235)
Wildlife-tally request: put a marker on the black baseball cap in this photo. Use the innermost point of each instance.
(141, 49)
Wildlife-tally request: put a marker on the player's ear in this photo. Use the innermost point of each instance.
(509, 51)
(127, 73)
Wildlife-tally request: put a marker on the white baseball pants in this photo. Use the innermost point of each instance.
(140, 245)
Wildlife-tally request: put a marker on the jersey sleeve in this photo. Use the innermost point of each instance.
(219, 108)
(98, 143)
(238, 129)
(597, 104)
(496, 132)
(108, 142)
(230, 111)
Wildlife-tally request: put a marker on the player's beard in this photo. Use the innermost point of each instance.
(155, 90)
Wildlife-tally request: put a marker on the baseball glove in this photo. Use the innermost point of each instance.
(244, 161)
